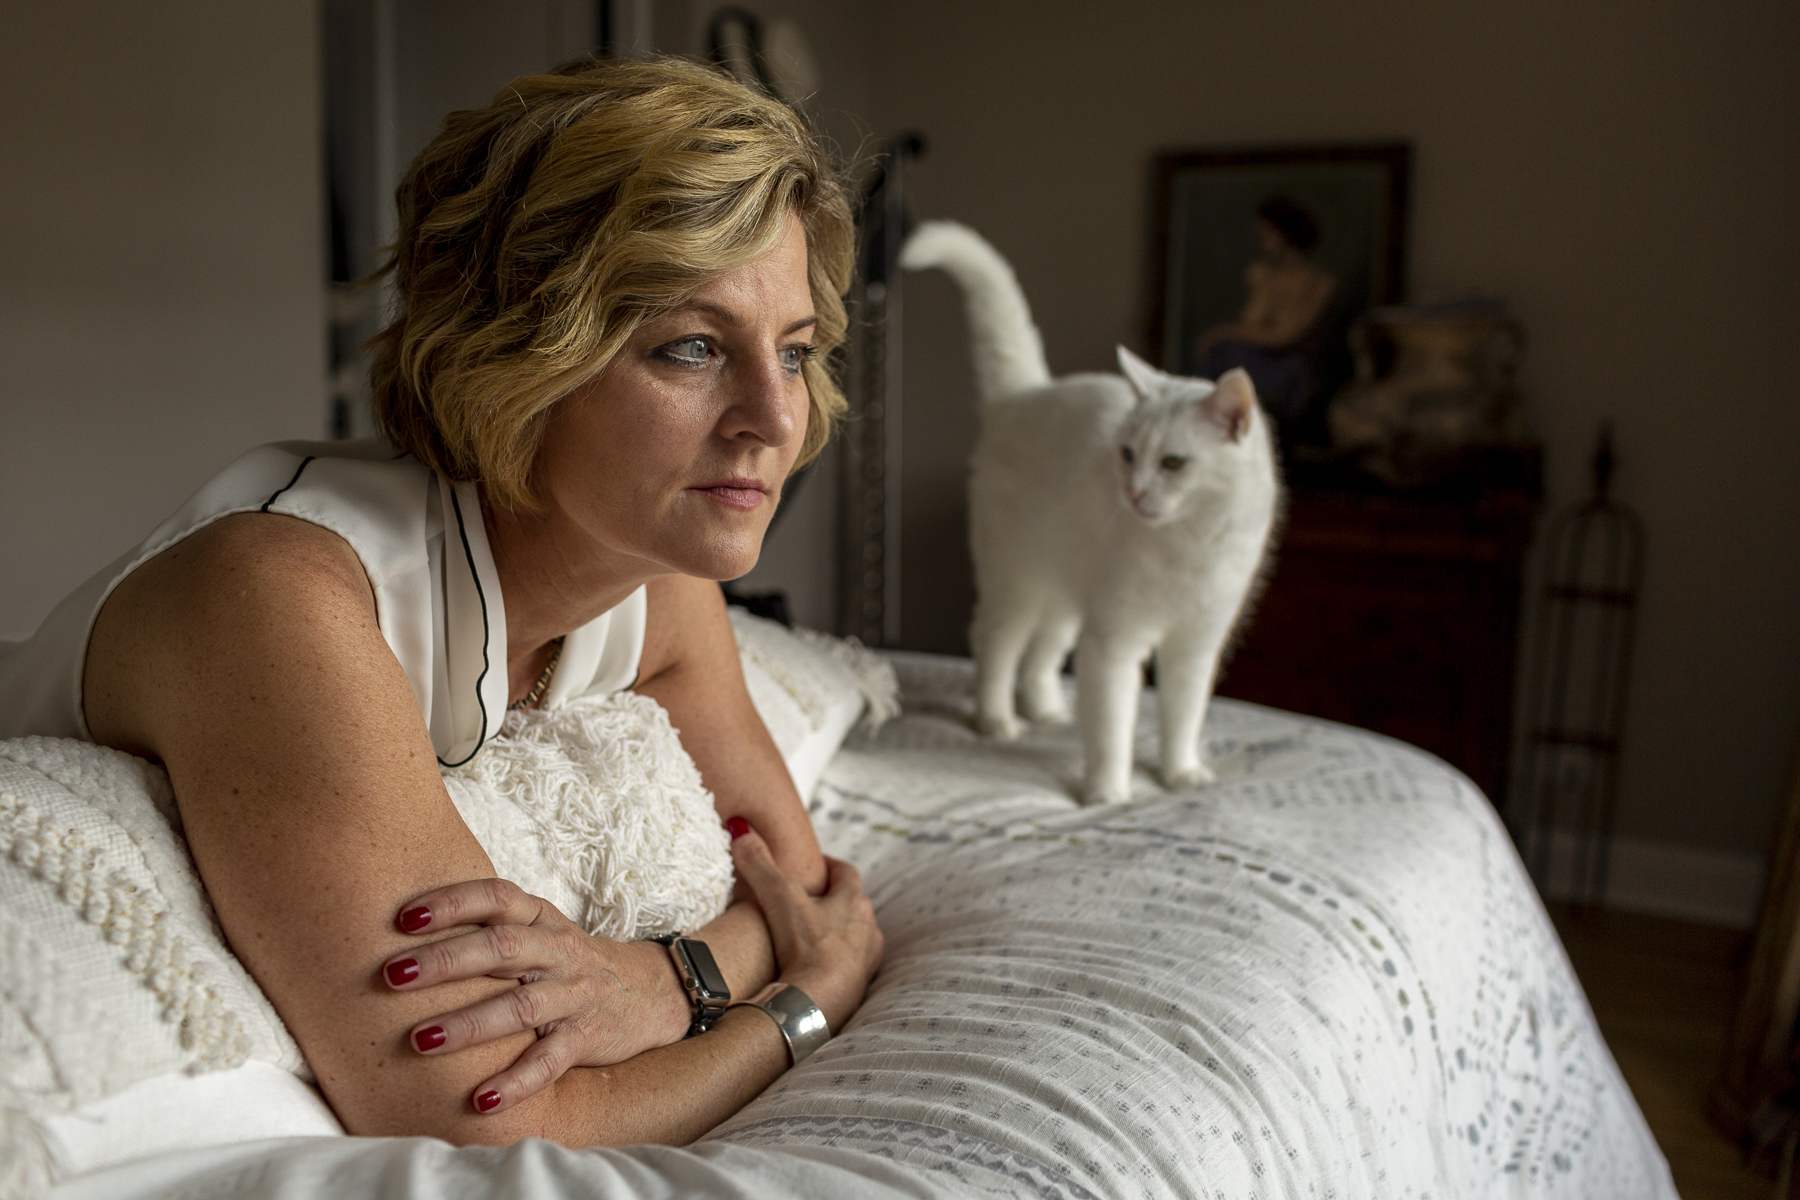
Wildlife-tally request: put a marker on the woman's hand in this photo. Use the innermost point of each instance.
(829, 945)
(592, 1002)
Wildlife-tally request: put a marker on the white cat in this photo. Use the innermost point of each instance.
(1124, 517)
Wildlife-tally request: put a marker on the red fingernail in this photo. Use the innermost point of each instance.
(415, 919)
(429, 1038)
(403, 972)
(487, 1101)
(737, 827)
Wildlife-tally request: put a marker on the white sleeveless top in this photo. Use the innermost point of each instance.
(424, 548)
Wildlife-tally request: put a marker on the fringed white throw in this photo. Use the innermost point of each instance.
(619, 831)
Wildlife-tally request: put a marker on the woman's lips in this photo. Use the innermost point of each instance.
(741, 494)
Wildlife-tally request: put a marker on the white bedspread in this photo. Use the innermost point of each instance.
(1324, 976)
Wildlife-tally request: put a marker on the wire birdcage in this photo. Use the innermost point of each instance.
(1567, 782)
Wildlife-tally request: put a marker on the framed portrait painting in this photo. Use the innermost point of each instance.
(1264, 258)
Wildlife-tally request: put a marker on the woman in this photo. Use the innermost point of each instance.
(1281, 333)
(613, 289)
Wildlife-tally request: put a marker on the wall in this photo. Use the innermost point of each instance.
(800, 555)
(1626, 174)
(161, 268)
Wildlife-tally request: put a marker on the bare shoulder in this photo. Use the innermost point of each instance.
(210, 596)
(242, 562)
(250, 549)
(685, 622)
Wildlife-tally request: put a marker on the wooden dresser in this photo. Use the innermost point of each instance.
(1397, 613)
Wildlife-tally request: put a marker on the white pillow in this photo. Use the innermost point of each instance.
(595, 806)
(112, 970)
(244, 1104)
(810, 688)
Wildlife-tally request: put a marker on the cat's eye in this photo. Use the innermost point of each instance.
(1129, 456)
(1173, 462)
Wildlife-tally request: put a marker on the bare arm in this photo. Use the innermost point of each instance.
(249, 661)
(690, 666)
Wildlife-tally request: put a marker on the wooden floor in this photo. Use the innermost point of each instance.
(1663, 991)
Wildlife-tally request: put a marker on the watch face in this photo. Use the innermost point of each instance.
(703, 970)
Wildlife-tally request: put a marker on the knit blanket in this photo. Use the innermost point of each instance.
(112, 967)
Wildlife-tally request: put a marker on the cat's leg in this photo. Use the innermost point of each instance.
(1185, 666)
(999, 635)
(1108, 675)
(1040, 685)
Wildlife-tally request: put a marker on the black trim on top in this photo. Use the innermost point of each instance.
(462, 532)
(290, 483)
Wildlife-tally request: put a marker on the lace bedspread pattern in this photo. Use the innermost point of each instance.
(1326, 975)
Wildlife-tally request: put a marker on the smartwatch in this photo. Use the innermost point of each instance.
(707, 990)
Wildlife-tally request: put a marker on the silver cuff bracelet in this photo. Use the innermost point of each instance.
(801, 1023)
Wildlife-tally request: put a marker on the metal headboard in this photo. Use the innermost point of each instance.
(869, 486)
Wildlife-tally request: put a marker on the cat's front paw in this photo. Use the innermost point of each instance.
(1188, 778)
(1096, 791)
(1002, 726)
(1051, 714)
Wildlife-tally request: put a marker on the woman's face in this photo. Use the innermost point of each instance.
(676, 454)
(1272, 241)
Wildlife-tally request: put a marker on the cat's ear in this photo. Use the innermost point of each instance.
(1232, 403)
(1142, 375)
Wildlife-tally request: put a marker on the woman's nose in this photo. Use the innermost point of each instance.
(763, 405)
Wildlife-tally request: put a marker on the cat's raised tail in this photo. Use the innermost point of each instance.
(1009, 353)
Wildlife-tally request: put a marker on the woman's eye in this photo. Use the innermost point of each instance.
(689, 351)
(1173, 462)
(1125, 452)
(794, 357)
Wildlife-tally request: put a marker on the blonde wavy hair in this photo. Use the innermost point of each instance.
(538, 233)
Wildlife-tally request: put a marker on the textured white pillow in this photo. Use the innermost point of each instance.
(810, 688)
(112, 970)
(596, 807)
(116, 986)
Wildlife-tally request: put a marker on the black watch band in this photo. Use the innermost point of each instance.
(708, 993)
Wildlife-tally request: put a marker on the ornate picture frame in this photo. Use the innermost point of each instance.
(1264, 257)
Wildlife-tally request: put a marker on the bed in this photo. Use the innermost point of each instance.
(1325, 975)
